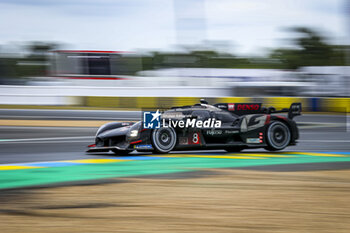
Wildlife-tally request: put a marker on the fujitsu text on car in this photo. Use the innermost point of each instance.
(229, 126)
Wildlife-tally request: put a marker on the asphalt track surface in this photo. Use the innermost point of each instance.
(33, 144)
(324, 144)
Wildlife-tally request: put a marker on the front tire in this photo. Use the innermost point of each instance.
(163, 139)
(278, 136)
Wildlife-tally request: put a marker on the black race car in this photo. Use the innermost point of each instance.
(229, 126)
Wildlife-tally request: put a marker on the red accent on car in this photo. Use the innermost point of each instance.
(268, 118)
(135, 142)
(281, 117)
(143, 130)
(92, 145)
(254, 107)
(231, 107)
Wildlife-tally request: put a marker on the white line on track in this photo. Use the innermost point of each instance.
(45, 139)
(324, 141)
(319, 123)
(48, 127)
(313, 125)
(66, 110)
(323, 115)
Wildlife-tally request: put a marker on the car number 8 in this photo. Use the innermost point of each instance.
(195, 138)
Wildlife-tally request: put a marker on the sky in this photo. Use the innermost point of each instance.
(246, 27)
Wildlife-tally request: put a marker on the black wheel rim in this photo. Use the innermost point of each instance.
(279, 135)
(164, 139)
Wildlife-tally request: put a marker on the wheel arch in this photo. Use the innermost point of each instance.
(290, 124)
(109, 126)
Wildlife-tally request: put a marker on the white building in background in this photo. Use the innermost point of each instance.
(243, 82)
(326, 80)
(108, 69)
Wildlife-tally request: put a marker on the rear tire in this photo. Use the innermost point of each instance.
(163, 139)
(278, 136)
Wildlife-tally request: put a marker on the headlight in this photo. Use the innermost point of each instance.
(133, 133)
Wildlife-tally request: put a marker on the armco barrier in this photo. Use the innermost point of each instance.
(335, 104)
(309, 104)
(143, 97)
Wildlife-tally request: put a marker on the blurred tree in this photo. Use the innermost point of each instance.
(288, 58)
(314, 49)
(41, 49)
(311, 49)
(147, 62)
(37, 61)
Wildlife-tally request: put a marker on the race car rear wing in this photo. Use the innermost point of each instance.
(255, 108)
(293, 111)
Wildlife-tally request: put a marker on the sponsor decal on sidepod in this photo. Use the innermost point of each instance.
(151, 120)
